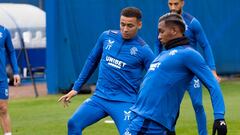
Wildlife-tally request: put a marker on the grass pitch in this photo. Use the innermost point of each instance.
(44, 116)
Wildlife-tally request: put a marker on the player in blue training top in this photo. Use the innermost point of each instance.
(123, 56)
(6, 52)
(165, 83)
(196, 35)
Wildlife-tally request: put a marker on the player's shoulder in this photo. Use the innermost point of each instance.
(109, 33)
(2, 28)
(141, 42)
(144, 47)
(188, 18)
(188, 51)
(188, 48)
(112, 32)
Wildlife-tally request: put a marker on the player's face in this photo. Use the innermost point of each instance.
(176, 5)
(129, 26)
(165, 33)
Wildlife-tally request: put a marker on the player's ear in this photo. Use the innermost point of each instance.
(183, 3)
(139, 24)
(173, 30)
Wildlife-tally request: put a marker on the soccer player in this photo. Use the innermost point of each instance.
(123, 56)
(165, 83)
(6, 51)
(196, 35)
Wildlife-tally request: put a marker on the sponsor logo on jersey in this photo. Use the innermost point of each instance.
(109, 44)
(115, 62)
(173, 52)
(127, 132)
(133, 51)
(127, 115)
(154, 66)
(196, 83)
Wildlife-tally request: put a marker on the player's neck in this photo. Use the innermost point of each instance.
(176, 42)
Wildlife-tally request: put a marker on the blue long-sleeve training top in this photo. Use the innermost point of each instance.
(195, 33)
(167, 79)
(122, 63)
(6, 51)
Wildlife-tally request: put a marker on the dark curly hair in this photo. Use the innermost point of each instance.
(173, 19)
(132, 12)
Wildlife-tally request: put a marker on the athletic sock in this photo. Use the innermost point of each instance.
(8, 133)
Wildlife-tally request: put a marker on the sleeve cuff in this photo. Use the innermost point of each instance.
(15, 73)
(218, 116)
(75, 88)
(212, 68)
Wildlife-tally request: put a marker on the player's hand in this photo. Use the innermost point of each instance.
(66, 98)
(16, 80)
(220, 127)
(216, 76)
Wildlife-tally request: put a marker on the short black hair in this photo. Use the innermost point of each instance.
(132, 12)
(173, 18)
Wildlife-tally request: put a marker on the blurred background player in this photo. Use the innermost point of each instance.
(6, 52)
(196, 35)
(156, 109)
(122, 56)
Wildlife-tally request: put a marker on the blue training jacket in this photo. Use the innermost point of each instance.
(121, 66)
(165, 83)
(195, 33)
(6, 51)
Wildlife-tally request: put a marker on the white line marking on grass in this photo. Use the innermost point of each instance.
(109, 121)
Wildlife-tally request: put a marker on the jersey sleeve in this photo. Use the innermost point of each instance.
(11, 52)
(90, 64)
(148, 57)
(195, 63)
(204, 43)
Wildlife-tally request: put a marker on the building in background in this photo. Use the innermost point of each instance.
(27, 25)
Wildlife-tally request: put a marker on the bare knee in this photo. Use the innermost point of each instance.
(3, 109)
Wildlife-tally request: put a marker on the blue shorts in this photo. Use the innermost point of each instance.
(4, 91)
(96, 108)
(142, 126)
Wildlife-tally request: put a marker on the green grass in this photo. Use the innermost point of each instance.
(44, 116)
(186, 124)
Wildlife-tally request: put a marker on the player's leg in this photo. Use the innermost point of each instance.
(195, 92)
(4, 115)
(88, 113)
(120, 113)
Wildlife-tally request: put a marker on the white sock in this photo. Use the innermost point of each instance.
(8, 133)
